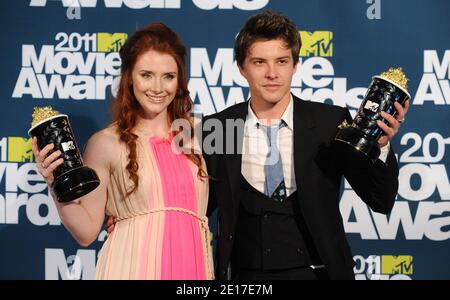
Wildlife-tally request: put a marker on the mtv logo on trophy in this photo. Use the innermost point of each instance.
(363, 134)
(72, 178)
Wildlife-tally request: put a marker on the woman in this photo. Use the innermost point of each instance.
(157, 196)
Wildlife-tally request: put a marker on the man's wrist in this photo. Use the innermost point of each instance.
(384, 151)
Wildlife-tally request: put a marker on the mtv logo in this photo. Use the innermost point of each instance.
(19, 149)
(401, 264)
(317, 43)
(110, 42)
(68, 146)
(372, 106)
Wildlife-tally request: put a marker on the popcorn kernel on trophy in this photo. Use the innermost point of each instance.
(363, 134)
(72, 178)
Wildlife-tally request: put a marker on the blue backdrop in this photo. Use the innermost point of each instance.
(64, 53)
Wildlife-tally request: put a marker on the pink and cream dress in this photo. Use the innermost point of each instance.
(161, 230)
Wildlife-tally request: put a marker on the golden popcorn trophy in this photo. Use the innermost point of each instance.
(363, 134)
(72, 178)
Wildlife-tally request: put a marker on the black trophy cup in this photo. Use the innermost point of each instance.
(72, 179)
(363, 134)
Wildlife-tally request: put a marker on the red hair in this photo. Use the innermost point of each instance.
(161, 38)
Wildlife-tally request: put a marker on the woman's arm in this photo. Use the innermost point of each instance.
(83, 217)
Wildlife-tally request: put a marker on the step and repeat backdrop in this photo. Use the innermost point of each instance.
(65, 54)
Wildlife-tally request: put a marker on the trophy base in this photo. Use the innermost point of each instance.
(75, 184)
(360, 142)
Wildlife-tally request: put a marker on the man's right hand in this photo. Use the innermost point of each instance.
(110, 224)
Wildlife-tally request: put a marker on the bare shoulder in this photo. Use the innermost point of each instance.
(104, 145)
(105, 138)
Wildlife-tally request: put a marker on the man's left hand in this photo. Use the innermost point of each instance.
(394, 123)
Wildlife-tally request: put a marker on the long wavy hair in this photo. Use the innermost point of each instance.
(125, 109)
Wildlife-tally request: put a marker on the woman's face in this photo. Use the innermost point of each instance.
(155, 82)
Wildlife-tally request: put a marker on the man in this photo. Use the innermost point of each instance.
(289, 227)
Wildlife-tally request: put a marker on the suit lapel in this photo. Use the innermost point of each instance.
(303, 137)
(233, 161)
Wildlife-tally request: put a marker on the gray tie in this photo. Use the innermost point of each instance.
(274, 186)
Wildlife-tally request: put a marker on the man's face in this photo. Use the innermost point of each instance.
(268, 68)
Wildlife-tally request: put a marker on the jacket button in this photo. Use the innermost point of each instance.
(299, 251)
(266, 216)
(230, 237)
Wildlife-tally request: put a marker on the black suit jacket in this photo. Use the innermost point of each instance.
(319, 168)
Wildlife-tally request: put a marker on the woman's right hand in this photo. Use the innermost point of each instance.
(45, 163)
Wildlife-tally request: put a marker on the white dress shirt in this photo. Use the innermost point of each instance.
(256, 148)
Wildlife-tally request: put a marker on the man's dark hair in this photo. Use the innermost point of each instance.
(268, 25)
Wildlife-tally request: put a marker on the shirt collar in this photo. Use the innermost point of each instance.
(287, 117)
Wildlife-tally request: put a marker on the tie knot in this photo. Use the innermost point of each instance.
(272, 130)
